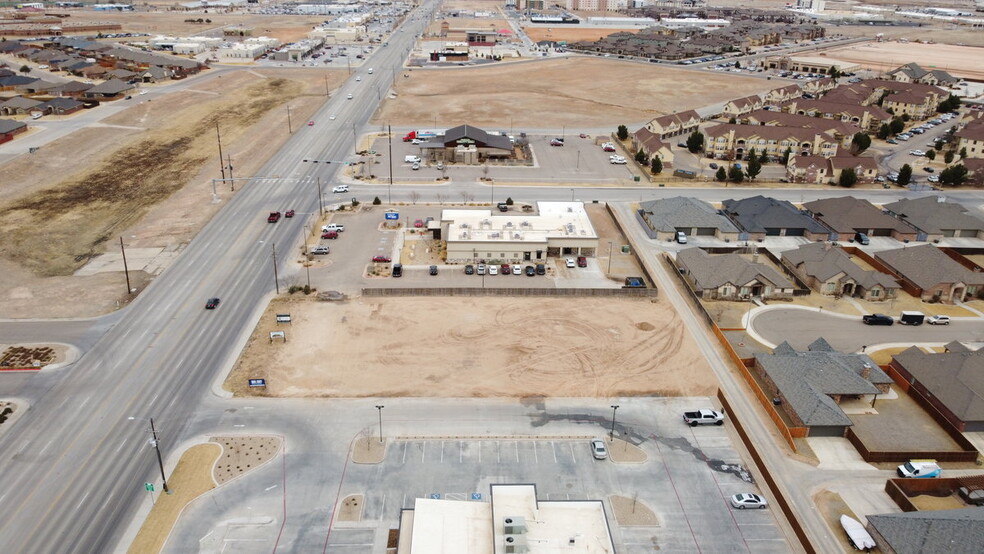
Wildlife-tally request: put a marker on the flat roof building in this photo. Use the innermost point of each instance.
(559, 229)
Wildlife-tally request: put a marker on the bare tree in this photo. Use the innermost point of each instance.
(466, 196)
(441, 197)
(485, 171)
(414, 196)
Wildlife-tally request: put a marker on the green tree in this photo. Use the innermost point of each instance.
(737, 64)
(955, 175)
(833, 73)
(764, 157)
(753, 167)
(721, 175)
(642, 158)
(938, 145)
(695, 142)
(860, 143)
(732, 120)
(735, 174)
(623, 132)
(376, 201)
(847, 178)
(906, 117)
(948, 157)
(786, 154)
(509, 201)
(656, 165)
(905, 175)
(951, 103)
(884, 131)
(963, 153)
(931, 155)
(25, 69)
(896, 125)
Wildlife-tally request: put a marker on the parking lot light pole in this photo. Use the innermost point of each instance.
(609, 257)
(611, 436)
(156, 443)
(380, 407)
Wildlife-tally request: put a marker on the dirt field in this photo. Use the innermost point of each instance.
(497, 347)
(946, 35)
(961, 61)
(573, 92)
(287, 28)
(571, 35)
(168, 216)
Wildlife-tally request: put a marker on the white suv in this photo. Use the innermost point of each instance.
(340, 188)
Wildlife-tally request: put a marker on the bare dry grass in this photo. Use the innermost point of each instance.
(56, 230)
(191, 479)
(586, 92)
(961, 61)
(571, 35)
(287, 28)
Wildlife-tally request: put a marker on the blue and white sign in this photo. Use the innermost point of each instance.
(392, 215)
(257, 382)
(476, 496)
(435, 495)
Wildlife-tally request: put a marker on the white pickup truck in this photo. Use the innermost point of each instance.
(703, 417)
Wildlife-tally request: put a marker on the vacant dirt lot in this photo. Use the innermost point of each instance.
(961, 61)
(571, 35)
(573, 92)
(287, 28)
(476, 347)
(143, 174)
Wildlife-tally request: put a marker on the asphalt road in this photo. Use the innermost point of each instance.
(74, 465)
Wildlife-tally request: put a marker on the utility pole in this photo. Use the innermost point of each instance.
(232, 180)
(321, 200)
(289, 129)
(157, 447)
(380, 408)
(125, 270)
(218, 137)
(355, 138)
(276, 278)
(389, 190)
(326, 86)
(611, 436)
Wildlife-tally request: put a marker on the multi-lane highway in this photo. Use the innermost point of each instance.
(74, 465)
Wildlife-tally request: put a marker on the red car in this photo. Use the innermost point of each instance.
(273, 217)
(329, 235)
(381, 259)
(583, 135)
(582, 261)
(310, 124)
(289, 213)
(505, 269)
(419, 223)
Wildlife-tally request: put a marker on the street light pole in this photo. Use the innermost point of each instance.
(289, 129)
(609, 257)
(157, 447)
(611, 436)
(380, 408)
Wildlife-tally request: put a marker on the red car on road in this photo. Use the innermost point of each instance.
(381, 259)
(289, 213)
(273, 217)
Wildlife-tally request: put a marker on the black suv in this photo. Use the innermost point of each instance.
(469, 269)
(541, 269)
(877, 319)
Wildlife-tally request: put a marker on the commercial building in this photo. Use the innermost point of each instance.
(558, 229)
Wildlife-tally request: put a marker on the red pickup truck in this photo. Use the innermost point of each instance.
(274, 217)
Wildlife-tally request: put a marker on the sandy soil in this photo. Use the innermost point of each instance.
(961, 61)
(507, 347)
(191, 478)
(287, 28)
(945, 35)
(573, 92)
(632, 512)
(240, 454)
(571, 35)
(170, 223)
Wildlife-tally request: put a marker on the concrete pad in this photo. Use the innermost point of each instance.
(136, 260)
(837, 453)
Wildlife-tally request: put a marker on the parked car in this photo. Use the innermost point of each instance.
(211, 303)
(530, 271)
(582, 261)
(703, 417)
(469, 269)
(919, 469)
(608, 147)
(892, 141)
(598, 449)
(381, 259)
(712, 165)
(503, 207)
(319, 250)
(928, 169)
(681, 237)
(938, 320)
(329, 235)
(418, 223)
(493, 270)
(481, 269)
(332, 227)
(517, 269)
(273, 217)
(570, 262)
(541, 269)
(505, 270)
(617, 160)
(310, 124)
(877, 319)
(397, 270)
(557, 142)
(862, 238)
(433, 270)
(748, 500)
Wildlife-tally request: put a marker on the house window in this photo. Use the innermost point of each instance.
(725, 291)
(875, 293)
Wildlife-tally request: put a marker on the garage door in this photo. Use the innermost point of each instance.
(706, 231)
(773, 231)
(880, 233)
(969, 233)
(795, 232)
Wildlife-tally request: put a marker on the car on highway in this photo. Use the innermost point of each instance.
(877, 319)
(310, 123)
(938, 320)
(381, 259)
(273, 217)
(557, 142)
(358, 77)
(349, 96)
(211, 303)
(569, 262)
(332, 117)
(289, 213)
(320, 250)
(340, 188)
(598, 449)
(747, 500)
(469, 269)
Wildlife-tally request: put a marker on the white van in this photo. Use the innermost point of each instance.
(919, 468)
(370, 71)
(412, 159)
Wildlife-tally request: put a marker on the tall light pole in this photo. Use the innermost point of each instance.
(389, 189)
(609, 257)
(289, 129)
(157, 447)
(380, 407)
(611, 436)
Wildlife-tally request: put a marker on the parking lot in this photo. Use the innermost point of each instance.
(579, 160)
(686, 481)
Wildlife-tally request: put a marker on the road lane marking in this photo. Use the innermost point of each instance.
(573, 458)
(442, 452)
(120, 447)
(270, 488)
(79, 505)
(554, 448)
(46, 447)
(84, 402)
(382, 509)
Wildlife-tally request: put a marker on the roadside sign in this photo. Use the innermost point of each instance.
(149, 487)
(257, 382)
(283, 318)
(476, 496)
(392, 215)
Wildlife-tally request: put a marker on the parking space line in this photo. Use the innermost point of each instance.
(517, 451)
(405, 446)
(382, 509)
(461, 452)
(536, 458)
(498, 458)
(442, 452)
(571, 444)
(553, 447)
(423, 448)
